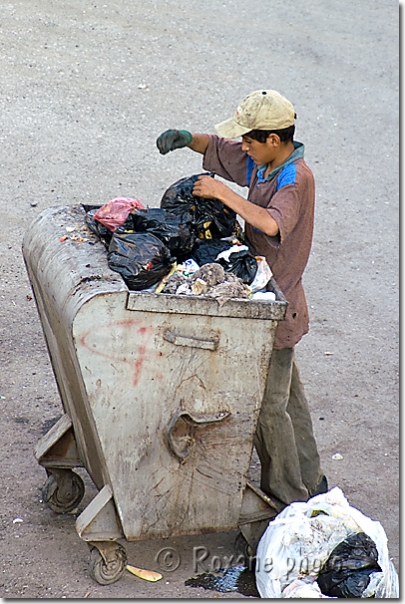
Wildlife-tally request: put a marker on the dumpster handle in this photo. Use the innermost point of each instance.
(182, 445)
(171, 337)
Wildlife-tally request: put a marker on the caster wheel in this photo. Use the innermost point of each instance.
(242, 547)
(107, 572)
(64, 493)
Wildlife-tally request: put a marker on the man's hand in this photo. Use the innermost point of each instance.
(208, 187)
(173, 139)
(255, 215)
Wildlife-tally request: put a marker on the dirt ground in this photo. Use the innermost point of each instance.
(86, 87)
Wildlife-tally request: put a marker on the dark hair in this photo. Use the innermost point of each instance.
(286, 134)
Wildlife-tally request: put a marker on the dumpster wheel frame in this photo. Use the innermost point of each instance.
(242, 547)
(107, 562)
(63, 490)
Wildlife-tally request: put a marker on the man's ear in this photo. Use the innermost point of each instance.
(273, 140)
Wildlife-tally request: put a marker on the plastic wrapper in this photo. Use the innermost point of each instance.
(188, 267)
(299, 541)
(141, 258)
(177, 235)
(114, 213)
(211, 218)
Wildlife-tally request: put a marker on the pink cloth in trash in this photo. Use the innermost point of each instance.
(114, 213)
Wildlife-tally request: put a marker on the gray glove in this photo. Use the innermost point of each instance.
(173, 139)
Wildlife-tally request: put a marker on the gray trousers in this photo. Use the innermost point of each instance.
(284, 440)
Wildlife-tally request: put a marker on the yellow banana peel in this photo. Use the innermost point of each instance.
(147, 575)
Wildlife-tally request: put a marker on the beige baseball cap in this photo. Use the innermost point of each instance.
(260, 110)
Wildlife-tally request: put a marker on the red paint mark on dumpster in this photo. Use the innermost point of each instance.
(139, 364)
(109, 329)
(104, 334)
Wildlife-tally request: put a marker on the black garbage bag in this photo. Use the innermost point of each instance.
(211, 218)
(347, 571)
(97, 228)
(206, 250)
(241, 263)
(90, 206)
(177, 235)
(141, 258)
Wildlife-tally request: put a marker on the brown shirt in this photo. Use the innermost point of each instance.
(288, 193)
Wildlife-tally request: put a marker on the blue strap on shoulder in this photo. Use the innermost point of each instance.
(287, 176)
(250, 164)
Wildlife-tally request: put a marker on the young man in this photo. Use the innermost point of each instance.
(279, 219)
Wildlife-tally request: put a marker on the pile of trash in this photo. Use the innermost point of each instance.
(167, 249)
(211, 280)
(324, 548)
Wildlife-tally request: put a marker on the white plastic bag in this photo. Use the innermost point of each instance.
(300, 540)
(234, 249)
(267, 296)
(262, 276)
(303, 588)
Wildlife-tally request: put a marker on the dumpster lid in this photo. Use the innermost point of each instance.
(200, 305)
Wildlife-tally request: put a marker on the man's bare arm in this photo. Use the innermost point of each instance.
(199, 143)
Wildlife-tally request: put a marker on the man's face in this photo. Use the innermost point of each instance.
(261, 153)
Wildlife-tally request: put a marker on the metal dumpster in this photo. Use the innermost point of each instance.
(160, 393)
